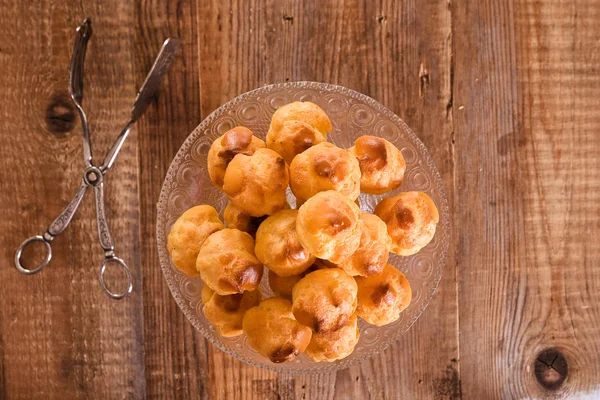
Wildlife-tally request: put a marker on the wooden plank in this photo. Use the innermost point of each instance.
(231, 45)
(61, 337)
(406, 55)
(378, 49)
(176, 356)
(526, 94)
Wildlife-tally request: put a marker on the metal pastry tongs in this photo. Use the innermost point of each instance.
(92, 175)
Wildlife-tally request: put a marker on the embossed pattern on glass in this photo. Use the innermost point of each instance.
(353, 115)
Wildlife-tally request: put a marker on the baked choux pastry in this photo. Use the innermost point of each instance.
(227, 312)
(381, 298)
(273, 331)
(323, 264)
(373, 252)
(238, 140)
(325, 299)
(304, 111)
(277, 245)
(227, 263)
(237, 219)
(411, 219)
(297, 126)
(328, 226)
(256, 184)
(282, 285)
(334, 345)
(381, 164)
(293, 138)
(324, 167)
(188, 233)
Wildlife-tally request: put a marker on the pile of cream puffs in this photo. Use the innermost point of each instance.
(326, 260)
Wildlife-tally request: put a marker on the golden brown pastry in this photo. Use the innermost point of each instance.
(227, 263)
(293, 138)
(373, 252)
(256, 184)
(273, 331)
(324, 300)
(277, 245)
(304, 111)
(411, 219)
(237, 219)
(381, 164)
(297, 126)
(238, 140)
(323, 264)
(188, 233)
(381, 298)
(282, 285)
(334, 345)
(227, 312)
(324, 167)
(328, 226)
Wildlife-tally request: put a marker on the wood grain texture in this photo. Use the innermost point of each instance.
(505, 95)
(527, 89)
(61, 336)
(356, 44)
(176, 357)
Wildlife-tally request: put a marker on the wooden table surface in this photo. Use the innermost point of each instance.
(504, 93)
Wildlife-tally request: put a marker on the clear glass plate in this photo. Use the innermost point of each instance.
(353, 115)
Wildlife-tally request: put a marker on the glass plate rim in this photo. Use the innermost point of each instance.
(170, 175)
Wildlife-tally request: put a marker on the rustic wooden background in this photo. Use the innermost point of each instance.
(504, 93)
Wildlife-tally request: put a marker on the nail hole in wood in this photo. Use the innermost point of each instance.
(60, 114)
(551, 369)
(423, 80)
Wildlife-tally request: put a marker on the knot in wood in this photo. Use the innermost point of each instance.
(60, 114)
(551, 369)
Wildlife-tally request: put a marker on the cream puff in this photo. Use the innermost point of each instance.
(282, 286)
(381, 163)
(381, 298)
(373, 251)
(324, 167)
(226, 313)
(324, 300)
(411, 219)
(273, 331)
(235, 218)
(256, 184)
(238, 140)
(296, 127)
(328, 226)
(188, 234)
(277, 245)
(293, 138)
(227, 263)
(334, 345)
(323, 264)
